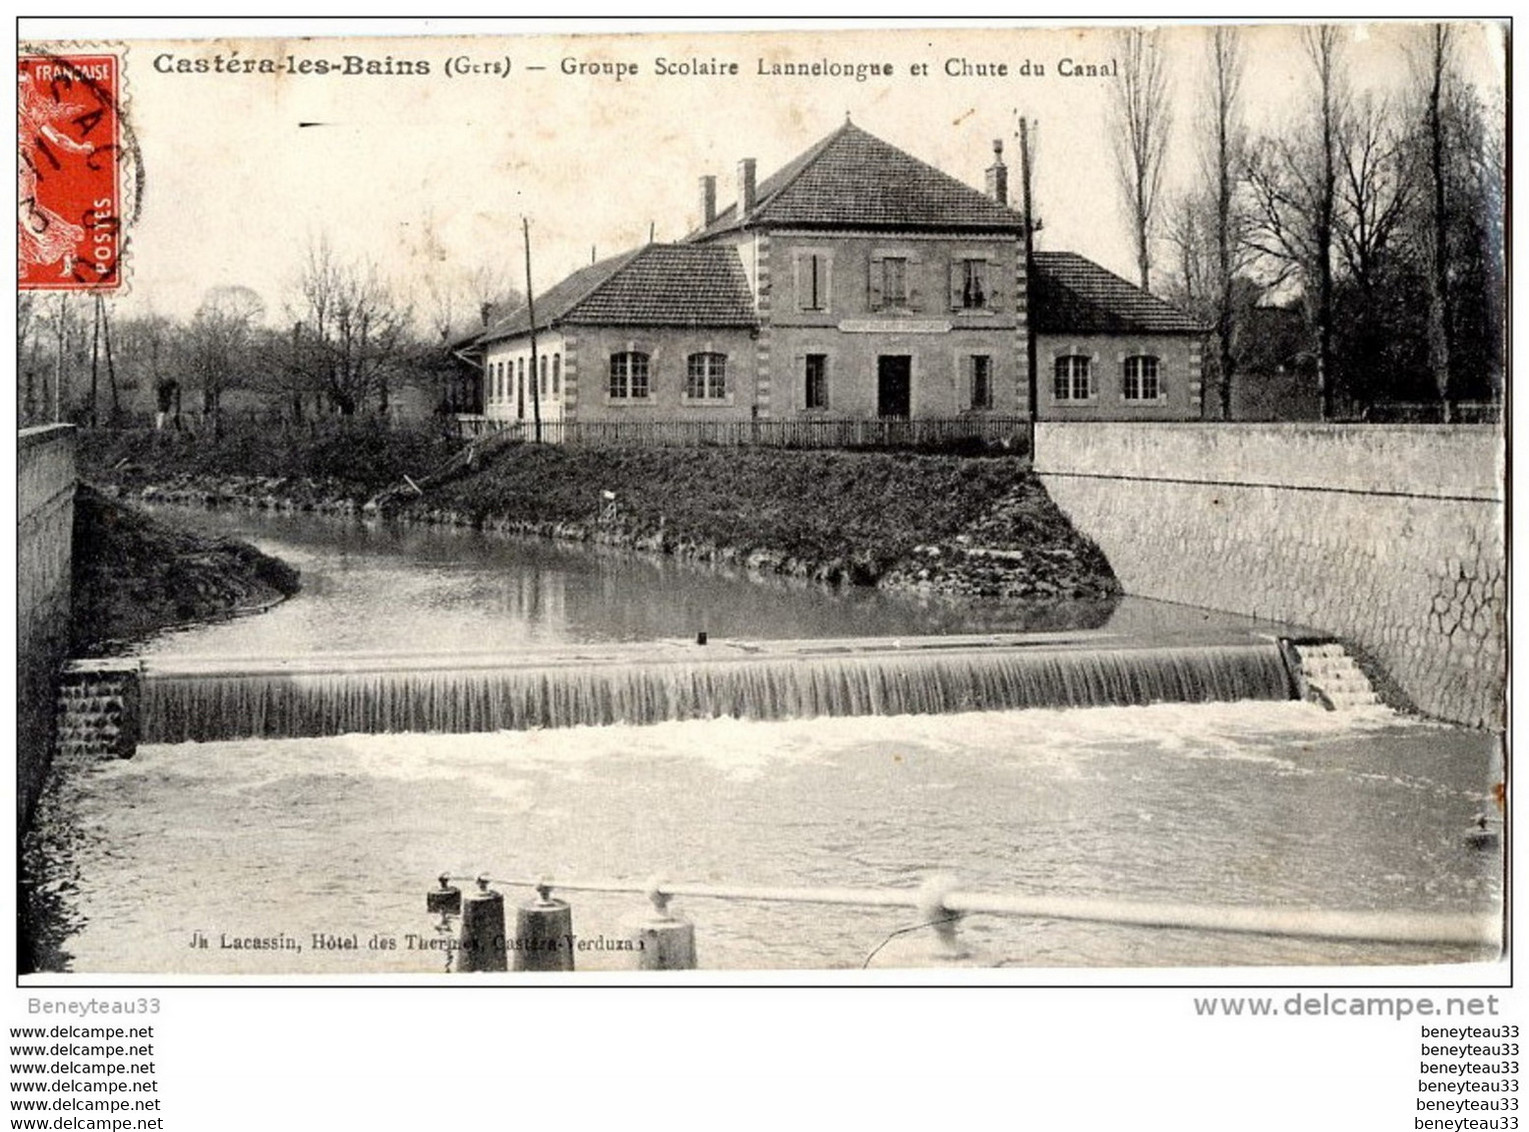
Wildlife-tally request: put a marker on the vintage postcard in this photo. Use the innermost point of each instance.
(1017, 498)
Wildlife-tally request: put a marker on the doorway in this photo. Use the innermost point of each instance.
(894, 385)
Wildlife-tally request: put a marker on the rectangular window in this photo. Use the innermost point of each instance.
(542, 384)
(1140, 379)
(812, 281)
(982, 381)
(706, 377)
(894, 281)
(974, 289)
(629, 376)
(1071, 378)
(557, 374)
(815, 395)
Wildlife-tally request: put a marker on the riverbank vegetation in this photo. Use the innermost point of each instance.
(134, 576)
(949, 524)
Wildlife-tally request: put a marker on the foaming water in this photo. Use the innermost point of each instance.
(371, 695)
(1247, 803)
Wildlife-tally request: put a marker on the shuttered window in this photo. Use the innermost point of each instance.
(814, 274)
(895, 281)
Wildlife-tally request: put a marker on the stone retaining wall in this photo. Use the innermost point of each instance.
(1390, 537)
(44, 541)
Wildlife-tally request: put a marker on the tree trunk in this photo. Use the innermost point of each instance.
(1438, 277)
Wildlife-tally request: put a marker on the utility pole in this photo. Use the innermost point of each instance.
(58, 362)
(111, 369)
(95, 353)
(1024, 188)
(536, 381)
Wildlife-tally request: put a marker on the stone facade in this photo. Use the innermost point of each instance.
(668, 350)
(849, 325)
(509, 386)
(44, 543)
(872, 287)
(1390, 537)
(1177, 359)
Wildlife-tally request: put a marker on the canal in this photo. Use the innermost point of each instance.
(1267, 803)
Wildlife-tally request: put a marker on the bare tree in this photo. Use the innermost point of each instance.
(457, 302)
(1222, 164)
(145, 352)
(1189, 231)
(28, 325)
(1436, 76)
(217, 344)
(1292, 190)
(1140, 122)
(59, 323)
(353, 332)
(1374, 189)
(1324, 51)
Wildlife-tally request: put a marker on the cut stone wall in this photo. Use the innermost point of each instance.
(1390, 537)
(44, 540)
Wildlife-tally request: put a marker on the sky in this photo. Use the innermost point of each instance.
(429, 175)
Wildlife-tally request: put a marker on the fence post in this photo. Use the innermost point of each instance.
(544, 933)
(482, 939)
(665, 941)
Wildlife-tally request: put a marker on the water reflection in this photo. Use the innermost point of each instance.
(370, 586)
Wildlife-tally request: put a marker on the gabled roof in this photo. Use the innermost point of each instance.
(854, 179)
(1073, 295)
(655, 285)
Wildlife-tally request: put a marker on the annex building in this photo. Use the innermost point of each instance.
(857, 282)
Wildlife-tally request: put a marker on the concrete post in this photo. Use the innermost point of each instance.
(482, 939)
(665, 942)
(544, 933)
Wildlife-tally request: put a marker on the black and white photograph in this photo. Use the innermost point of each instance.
(1002, 504)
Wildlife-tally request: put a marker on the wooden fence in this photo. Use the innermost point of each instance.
(1002, 433)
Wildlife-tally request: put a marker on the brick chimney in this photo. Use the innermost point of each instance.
(745, 187)
(708, 200)
(998, 175)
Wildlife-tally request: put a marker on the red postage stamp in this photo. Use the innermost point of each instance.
(68, 175)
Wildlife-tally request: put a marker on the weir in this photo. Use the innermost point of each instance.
(204, 699)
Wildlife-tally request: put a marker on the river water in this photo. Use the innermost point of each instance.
(1271, 803)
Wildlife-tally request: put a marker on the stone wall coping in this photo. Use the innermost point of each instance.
(43, 434)
(1464, 463)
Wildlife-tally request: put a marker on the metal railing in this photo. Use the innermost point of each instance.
(938, 903)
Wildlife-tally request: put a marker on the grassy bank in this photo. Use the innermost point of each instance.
(329, 461)
(859, 517)
(948, 524)
(134, 576)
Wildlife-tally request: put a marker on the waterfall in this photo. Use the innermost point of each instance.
(210, 700)
(1326, 674)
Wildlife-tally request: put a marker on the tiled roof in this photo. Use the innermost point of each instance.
(1073, 295)
(673, 285)
(852, 178)
(655, 285)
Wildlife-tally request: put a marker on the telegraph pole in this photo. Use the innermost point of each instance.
(1024, 188)
(95, 354)
(536, 380)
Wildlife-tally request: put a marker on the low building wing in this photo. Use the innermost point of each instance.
(655, 285)
(1073, 295)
